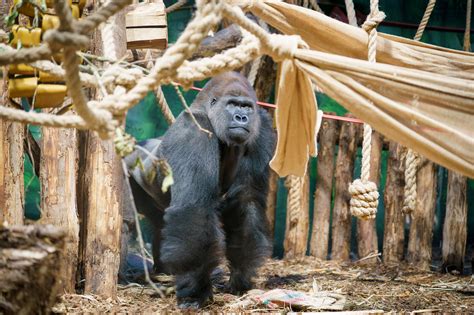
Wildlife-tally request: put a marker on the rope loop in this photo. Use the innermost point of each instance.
(373, 20)
(281, 47)
(364, 199)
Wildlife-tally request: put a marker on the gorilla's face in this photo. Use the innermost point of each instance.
(232, 109)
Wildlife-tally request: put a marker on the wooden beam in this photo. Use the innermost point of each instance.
(455, 223)
(421, 228)
(328, 134)
(394, 233)
(341, 222)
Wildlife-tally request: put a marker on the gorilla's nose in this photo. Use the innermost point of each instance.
(241, 119)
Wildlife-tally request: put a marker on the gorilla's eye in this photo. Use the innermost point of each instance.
(213, 101)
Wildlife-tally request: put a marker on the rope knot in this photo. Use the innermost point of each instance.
(116, 75)
(364, 199)
(56, 38)
(373, 19)
(281, 47)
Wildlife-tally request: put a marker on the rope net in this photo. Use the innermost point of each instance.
(315, 47)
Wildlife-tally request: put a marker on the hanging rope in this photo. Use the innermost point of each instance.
(164, 107)
(351, 14)
(364, 194)
(467, 32)
(293, 184)
(412, 158)
(425, 19)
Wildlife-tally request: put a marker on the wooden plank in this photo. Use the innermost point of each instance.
(297, 216)
(367, 241)
(328, 134)
(394, 234)
(58, 194)
(455, 224)
(421, 227)
(341, 223)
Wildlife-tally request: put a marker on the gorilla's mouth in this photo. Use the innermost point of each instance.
(239, 128)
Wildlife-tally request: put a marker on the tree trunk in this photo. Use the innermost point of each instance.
(12, 194)
(102, 188)
(455, 223)
(324, 181)
(31, 258)
(421, 228)
(341, 223)
(297, 216)
(366, 229)
(58, 193)
(394, 232)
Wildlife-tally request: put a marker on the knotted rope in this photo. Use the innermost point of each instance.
(293, 184)
(364, 194)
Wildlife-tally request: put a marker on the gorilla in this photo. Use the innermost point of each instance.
(216, 205)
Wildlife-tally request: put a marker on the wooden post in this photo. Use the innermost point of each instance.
(394, 234)
(12, 194)
(102, 188)
(322, 197)
(341, 222)
(421, 228)
(58, 194)
(297, 216)
(366, 229)
(455, 223)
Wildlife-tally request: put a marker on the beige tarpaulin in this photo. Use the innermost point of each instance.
(419, 95)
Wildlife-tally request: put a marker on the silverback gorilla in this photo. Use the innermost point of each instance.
(217, 204)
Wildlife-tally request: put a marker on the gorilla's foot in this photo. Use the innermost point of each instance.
(193, 292)
(191, 303)
(239, 283)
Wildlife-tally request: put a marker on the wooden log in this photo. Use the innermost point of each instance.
(224, 39)
(455, 224)
(265, 80)
(297, 216)
(421, 227)
(394, 234)
(102, 190)
(367, 241)
(31, 259)
(341, 222)
(58, 194)
(324, 182)
(12, 194)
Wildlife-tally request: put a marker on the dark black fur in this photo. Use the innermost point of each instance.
(217, 203)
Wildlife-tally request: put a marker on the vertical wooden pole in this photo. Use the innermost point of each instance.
(341, 222)
(271, 202)
(12, 194)
(322, 197)
(102, 184)
(455, 223)
(366, 229)
(58, 194)
(297, 216)
(421, 228)
(394, 234)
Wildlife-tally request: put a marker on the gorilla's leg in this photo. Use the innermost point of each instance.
(191, 246)
(247, 244)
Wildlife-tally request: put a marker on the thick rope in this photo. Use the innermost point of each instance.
(467, 32)
(293, 183)
(364, 194)
(252, 76)
(351, 14)
(411, 167)
(164, 107)
(315, 5)
(425, 19)
(412, 159)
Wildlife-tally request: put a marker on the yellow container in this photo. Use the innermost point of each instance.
(48, 77)
(21, 69)
(22, 87)
(28, 37)
(49, 95)
(51, 21)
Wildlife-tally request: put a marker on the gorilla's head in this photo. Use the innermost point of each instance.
(231, 105)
